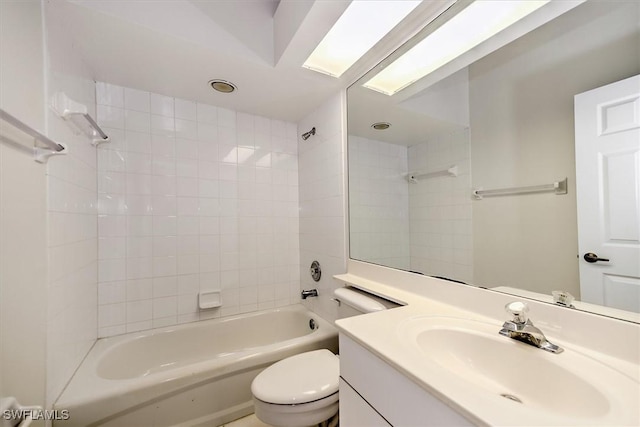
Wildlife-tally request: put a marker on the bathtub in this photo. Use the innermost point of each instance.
(197, 374)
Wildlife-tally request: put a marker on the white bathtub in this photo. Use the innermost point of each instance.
(189, 375)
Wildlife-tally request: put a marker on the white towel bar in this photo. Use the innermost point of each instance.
(40, 154)
(558, 187)
(413, 178)
(76, 112)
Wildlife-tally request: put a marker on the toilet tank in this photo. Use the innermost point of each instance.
(354, 301)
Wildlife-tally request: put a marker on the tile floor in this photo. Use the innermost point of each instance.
(248, 421)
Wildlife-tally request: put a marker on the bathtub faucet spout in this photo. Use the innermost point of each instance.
(309, 293)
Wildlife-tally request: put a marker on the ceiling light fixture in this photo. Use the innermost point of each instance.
(222, 86)
(473, 25)
(381, 126)
(359, 28)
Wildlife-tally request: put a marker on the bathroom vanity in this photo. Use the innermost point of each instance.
(373, 393)
(439, 360)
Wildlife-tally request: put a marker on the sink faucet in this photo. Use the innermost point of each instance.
(521, 328)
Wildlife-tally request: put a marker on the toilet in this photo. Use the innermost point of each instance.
(302, 390)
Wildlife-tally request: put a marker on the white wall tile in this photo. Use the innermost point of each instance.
(207, 114)
(207, 133)
(164, 307)
(186, 149)
(165, 287)
(161, 165)
(139, 268)
(185, 110)
(226, 118)
(111, 117)
(177, 192)
(187, 207)
(137, 142)
(138, 311)
(434, 202)
(111, 270)
(162, 125)
(188, 284)
(112, 293)
(165, 321)
(111, 315)
(186, 129)
(209, 169)
(108, 94)
(137, 121)
(320, 200)
(137, 100)
(162, 105)
(188, 303)
(140, 289)
(164, 185)
(377, 171)
(139, 326)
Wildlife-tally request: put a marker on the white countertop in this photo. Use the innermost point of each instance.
(382, 334)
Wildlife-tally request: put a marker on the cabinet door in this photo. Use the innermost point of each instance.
(397, 398)
(355, 411)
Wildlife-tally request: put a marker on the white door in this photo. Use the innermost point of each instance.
(607, 122)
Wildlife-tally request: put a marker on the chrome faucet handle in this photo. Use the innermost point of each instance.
(563, 298)
(521, 329)
(518, 311)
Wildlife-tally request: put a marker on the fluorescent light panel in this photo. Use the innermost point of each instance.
(473, 25)
(360, 27)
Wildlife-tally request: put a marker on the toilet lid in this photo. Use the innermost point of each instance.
(297, 379)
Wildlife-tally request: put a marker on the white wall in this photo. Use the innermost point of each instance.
(522, 133)
(440, 208)
(192, 198)
(323, 202)
(72, 215)
(378, 202)
(23, 237)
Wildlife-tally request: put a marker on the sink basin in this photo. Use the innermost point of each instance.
(473, 356)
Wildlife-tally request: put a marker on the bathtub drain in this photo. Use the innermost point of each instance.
(312, 324)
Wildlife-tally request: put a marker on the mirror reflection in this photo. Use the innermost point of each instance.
(421, 190)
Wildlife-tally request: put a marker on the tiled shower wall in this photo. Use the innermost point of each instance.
(72, 213)
(440, 208)
(378, 202)
(192, 198)
(322, 203)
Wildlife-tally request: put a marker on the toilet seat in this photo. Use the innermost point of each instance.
(303, 378)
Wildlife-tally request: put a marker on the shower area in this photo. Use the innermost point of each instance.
(410, 206)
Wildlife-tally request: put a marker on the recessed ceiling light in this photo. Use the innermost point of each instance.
(222, 86)
(475, 24)
(358, 29)
(381, 126)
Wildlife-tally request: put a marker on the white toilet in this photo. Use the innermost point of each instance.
(302, 390)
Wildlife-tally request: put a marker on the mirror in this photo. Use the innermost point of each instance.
(504, 121)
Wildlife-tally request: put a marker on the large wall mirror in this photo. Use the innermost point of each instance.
(425, 159)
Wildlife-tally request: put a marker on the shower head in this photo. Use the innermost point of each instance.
(307, 135)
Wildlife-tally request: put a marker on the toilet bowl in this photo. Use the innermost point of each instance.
(302, 390)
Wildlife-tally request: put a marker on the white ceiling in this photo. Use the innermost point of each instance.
(174, 47)
(441, 108)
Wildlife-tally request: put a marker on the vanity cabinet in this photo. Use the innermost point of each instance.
(373, 393)
(355, 411)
